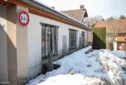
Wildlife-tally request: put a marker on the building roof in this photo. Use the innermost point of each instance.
(118, 26)
(76, 14)
(41, 9)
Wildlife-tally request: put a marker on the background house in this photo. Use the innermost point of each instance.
(115, 29)
(77, 14)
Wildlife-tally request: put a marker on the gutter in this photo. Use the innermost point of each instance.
(52, 11)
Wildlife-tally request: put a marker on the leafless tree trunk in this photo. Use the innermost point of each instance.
(113, 29)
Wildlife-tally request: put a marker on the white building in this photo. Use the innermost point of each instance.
(23, 49)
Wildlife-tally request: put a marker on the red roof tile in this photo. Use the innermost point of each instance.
(76, 14)
(113, 25)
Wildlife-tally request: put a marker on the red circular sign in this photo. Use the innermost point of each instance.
(23, 18)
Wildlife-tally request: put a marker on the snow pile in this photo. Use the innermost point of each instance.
(77, 79)
(113, 65)
(100, 67)
(121, 54)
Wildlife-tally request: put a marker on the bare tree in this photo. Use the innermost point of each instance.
(112, 18)
(91, 21)
(122, 17)
(113, 29)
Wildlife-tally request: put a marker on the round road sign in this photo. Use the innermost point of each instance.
(23, 18)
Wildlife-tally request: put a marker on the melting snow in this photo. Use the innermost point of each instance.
(86, 69)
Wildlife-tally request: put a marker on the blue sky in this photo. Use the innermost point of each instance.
(105, 8)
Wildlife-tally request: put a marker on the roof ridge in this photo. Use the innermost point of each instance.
(70, 10)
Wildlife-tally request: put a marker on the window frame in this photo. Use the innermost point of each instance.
(49, 28)
(83, 38)
(72, 31)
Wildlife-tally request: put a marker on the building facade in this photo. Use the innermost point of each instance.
(23, 49)
(116, 31)
(65, 39)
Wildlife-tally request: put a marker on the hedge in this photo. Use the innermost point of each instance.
(99, 38)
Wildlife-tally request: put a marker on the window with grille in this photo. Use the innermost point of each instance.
(49, 40)
(83, 39)
(72, 39)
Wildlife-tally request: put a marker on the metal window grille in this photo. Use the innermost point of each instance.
(49, 40)
(72, 39)
(83, 39)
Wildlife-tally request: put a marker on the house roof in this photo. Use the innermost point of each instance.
(118, 26)
(41, 9)
(76, 14)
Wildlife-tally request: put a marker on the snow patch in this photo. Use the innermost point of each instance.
(99, 66)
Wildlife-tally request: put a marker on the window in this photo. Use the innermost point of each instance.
(83, 39)
(72, 39)
(49, 40)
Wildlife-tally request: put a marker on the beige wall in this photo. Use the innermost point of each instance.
(3, 46)
(22, 50)
(16, 48)
(90, 36)
(12, 45)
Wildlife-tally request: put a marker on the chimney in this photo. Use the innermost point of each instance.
(53, 7)
(82, 7)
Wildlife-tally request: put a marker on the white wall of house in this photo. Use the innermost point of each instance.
(115, 45)
(34, 40)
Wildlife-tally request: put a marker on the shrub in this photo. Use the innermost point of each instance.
(99, 38)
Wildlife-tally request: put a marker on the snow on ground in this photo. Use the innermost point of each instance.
(100, 67)
(121, 54)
